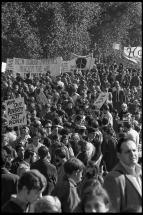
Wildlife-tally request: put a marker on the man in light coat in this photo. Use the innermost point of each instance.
(124, 183)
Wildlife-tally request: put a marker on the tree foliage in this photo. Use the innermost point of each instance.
(50, 29)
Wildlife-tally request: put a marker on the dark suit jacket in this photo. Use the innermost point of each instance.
(122, 99)
(8, 185)
(49, 171)
(122, 189)
(66, 191)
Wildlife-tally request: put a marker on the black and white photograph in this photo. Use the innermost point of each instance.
(71, 107)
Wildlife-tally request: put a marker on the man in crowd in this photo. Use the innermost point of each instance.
(30, 185)
(123, 183)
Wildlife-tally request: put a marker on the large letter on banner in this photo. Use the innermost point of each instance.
(133, 54)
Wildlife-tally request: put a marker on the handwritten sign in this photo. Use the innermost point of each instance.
(101, 99)
(15, 112)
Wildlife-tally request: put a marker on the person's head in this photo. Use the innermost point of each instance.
(43, 152)
(65, 139)
(124, 107)
(91, 133)
(30, 185)
(5, 140)
(94, 198)
(76, 137)
(36, 138)
(24, 130)
(117, 84)
(30, 156)
(20, 151)
(33, 113)
(74, 168)
(60, 156)
(48, 204)
(127, 151)
(47, 142)
(127, 125)
(16, 87)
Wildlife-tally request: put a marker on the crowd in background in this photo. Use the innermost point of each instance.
(68, 147)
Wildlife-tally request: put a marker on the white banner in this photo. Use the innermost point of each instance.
(101, 99)
(68, 66)
(15, 112)
(3, 67)
(35, 66)
(133, 54)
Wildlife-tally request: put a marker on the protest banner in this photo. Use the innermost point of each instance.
(15, 112)
(9, 64)
(101, 99)
(41, 98)
(35, 67)
(78, 62)
(133, 54)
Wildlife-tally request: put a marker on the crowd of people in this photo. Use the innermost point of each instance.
(72, 156)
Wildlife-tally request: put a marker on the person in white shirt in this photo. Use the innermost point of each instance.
(131, 132)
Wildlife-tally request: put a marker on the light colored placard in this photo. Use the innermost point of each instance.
(101, 99)
(35, 67)
(15, 112)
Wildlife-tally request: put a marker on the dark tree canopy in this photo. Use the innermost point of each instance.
(50, 29)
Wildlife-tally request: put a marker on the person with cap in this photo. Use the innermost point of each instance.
(124, 113)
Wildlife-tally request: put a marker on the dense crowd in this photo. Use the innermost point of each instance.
(67, 157)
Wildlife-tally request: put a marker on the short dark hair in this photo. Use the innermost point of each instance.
(28, 153)
(32, 179)
(47, 142)
(43, 152)
(125, 137)
(73, 164)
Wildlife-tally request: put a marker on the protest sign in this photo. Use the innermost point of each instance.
(15, 112)
(9, 64)
(101, 99)
(41, 98)
(133, 54)
(35, 67)
(3, 67)
(78, 62)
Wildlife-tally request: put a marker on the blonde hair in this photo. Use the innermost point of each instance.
(47, 204)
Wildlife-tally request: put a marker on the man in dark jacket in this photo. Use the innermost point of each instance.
(46, 168)
(66, 190)
(9, 180)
